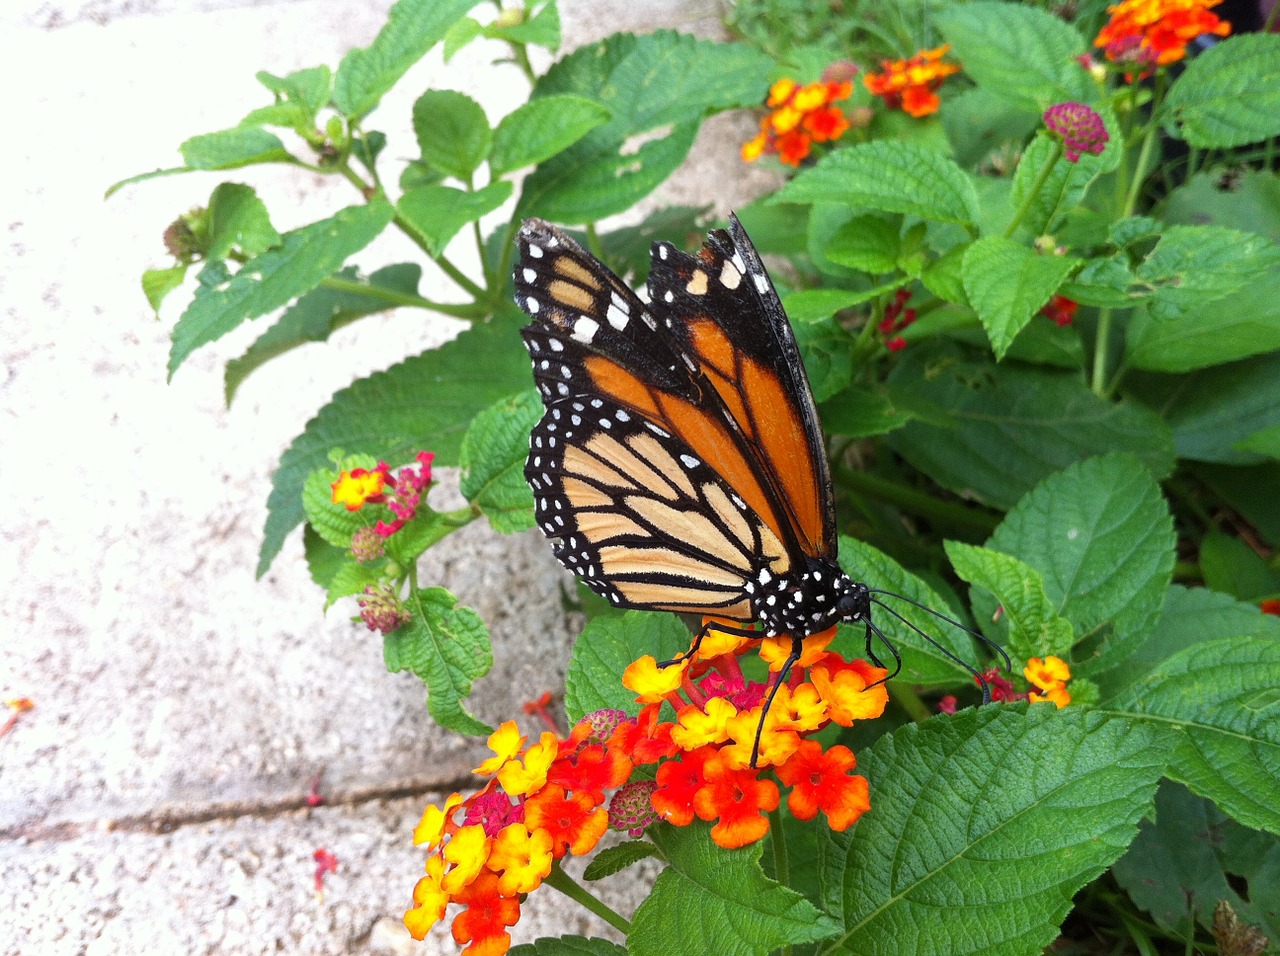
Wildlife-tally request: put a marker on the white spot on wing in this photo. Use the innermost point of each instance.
(762, 282)
(584, 330)
(535, 251)
(730, 277)
(531, 306)
(530, 275)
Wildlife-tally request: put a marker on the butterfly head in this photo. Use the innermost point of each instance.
(817, 598)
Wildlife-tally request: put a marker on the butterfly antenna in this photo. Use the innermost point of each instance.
(976, 635)
(893, 649)
(977, 674)
(797, 647)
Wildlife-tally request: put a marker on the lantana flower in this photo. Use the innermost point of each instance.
(896, 318)
(911, 84)
(800, 117)
(1060, 309)
(1151, 33)
(1079, 127)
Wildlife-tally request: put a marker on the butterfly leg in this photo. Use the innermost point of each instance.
(797, 648)
(698, 638)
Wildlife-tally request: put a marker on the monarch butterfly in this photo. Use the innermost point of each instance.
(679, 464)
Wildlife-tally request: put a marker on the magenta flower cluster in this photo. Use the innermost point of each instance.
(1081, 129)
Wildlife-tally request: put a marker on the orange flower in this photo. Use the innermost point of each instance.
(802, 116)
(1156, 32)
(909, 84)
(574, 822)
(739, 800)
(359, 485)
(1050, 676)
(820, 781)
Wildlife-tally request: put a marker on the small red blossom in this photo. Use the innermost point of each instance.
(738, 800)
(575, 822)
(948, 704)
(381, 609)
(910, 84)
(1080, 128)
(1270, 606)
(897, 316)
(326, 862)
(540, 707)
(314, 798)
(1060, 309)
(16, 706)
(1001, 688)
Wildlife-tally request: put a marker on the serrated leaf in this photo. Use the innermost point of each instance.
(1231, 566)
(436, 213)
(1101, 536)
(606, 647)
(492, 458)
(453, 132)
(237, 221)
(1229, 95)
(233, 148)
(413, 27)
(309, 87)
(459, 35)
(542, 29)
(889, 176)
(1223, 695)
(868, 243)
(1001, 810)
(923, 662)
(813, 305)
(267, 281)
(447, 646)
(944, 276)
(615, 859)
(711, 900)
(1006, 284)
(1035, 628)
(1194, 265)
(568, 946)
(425, 402)
(1125, 232)
(1107, 283)
(827, 351)
(656, 87)
(323, 559)
(1020, 52)
(351, 578)
(1050, 195)
(158, 283)
(322, 311)
(1191, 856)
(541, 128)
(1211, 410)
(975, 421)
(1241, 324)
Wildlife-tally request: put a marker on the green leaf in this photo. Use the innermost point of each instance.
(351, 578)
(459, 35)
(425, 402)
(860, 414)
(309, 88)
(711, 900)
(981, 122)
(994, 431)
(237, 221)
(1245, 199)
(656, 87)
(827, 351)
(1265, 442)
(1190, 614)
(233, 148)
(929, 663)
(1191, 857)
(158, 283)
(627, 250)
(1021, 52)
(541, 128)
(1107, 283)
(615, 859)
(867, 243)
(943, 276)
(447, 646)
(453, 132)
(1212, 410)
(568, 946)
(1223, 695)
(889, 176)
(542, 29)
(324, 561)
(1006, 810)
(1231, 566)
(606, 647)
(1034, 625)
(1132, 229)
(322, 311)
(492, 459)
(436, 213)
(1194, 265)
(1229, 95)
(1242, 324)
(1101, 536)
(413, 27)
(269, 280)
(1248, 491)
(1006, 284)
(1050, 196)
(814, 305)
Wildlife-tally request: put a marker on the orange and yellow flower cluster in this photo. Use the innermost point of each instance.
(718, 714)
(1148, 33)
(911, 84)
(1049, 676)
(802, 116)
(546, 800)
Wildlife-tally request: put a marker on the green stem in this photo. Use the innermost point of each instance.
(781, 865)
(558, 879)
(909, 700)
(593, 241)
(1100, 351)
(1034, 192)
(1144, 155)
(392, 298)
(917, 502)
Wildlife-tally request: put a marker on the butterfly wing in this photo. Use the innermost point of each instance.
(650, 468)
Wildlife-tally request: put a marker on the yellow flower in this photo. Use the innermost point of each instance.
(505, 742)
(429, 898)
(430, 829)
(1048, 673)
(521, 778)
(650, 682)
(523, 858)
(467, 850)
(696, 727)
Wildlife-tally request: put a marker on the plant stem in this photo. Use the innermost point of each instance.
(781, 865)
(1100, 350)
(909, 700)
(1034, 192)
(558, 879)
(393, 298)
(917, 502)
